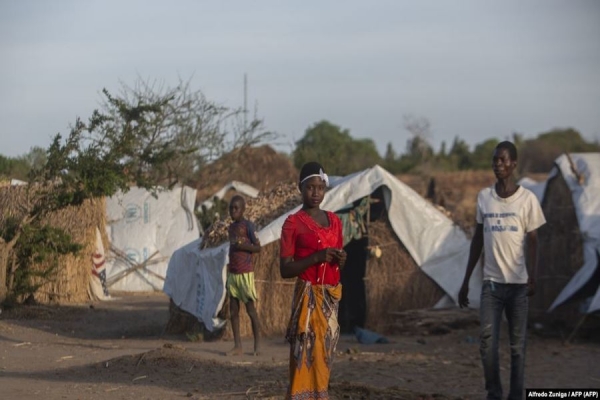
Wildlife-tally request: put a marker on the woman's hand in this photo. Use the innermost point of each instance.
(326, 255)
(331, 254)
(341, 257)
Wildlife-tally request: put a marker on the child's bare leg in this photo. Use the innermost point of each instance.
(234, 309)
(251, 309)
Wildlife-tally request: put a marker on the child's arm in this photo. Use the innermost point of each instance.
(254, 245)
(252, 248)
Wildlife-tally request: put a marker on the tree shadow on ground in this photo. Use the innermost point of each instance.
(132, 317)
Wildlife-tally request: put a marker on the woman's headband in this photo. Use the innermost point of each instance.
(321, 174)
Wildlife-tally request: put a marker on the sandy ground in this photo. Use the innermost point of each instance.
(114, 350)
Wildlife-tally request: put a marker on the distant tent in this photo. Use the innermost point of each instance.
(233, 186)
(422, 256)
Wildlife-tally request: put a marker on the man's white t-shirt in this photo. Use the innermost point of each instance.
(505, 225)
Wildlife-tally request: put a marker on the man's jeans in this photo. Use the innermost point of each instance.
(511, 298)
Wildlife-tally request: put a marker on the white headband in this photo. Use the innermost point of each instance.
(321, 174)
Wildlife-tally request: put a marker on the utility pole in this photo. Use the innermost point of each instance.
(245, 103)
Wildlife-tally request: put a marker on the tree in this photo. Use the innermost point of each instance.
(145, 136)
(182, 122)
(460, 154)
(538, 155)
(390, 153)
(418, 147)
(5, 166)
(335, 149)
(14, 167)
(443, 149)
(391, 161)
(36, 158)
(419, 153)
(483, 153)
(419, 150)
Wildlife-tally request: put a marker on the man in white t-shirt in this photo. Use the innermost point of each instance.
(508, 217)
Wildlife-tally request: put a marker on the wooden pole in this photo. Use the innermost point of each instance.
(572, 335)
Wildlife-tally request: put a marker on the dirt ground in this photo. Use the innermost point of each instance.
(114, 350)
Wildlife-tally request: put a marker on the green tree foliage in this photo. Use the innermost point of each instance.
(460, 154)
(39, 245)
(218, 211)
(418, 150)
(482, 154)
(19, 167)
(335, 149)
(5, 166)
(538, 155)
(390, 159)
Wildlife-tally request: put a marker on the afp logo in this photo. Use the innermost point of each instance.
(133, 212)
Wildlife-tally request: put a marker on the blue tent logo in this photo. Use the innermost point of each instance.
(133, 212)
(133, 255)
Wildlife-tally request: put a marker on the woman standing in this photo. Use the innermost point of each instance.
(312, 250)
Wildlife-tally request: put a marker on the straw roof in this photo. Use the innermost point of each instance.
(261, 167)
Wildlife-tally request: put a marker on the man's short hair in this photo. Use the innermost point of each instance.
(237, 198)
(510, 147)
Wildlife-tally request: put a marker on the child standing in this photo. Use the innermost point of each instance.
(240, 274)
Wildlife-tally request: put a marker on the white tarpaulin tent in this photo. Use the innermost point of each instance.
(144, 231)
(586, 199)
(241, 187)
(538, 188)
(196, 279)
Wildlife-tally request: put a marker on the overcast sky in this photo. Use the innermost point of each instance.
(475, 69)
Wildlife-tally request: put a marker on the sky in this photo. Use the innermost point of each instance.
(475, 69)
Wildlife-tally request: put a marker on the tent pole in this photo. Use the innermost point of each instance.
(368, 213)
(572, 335)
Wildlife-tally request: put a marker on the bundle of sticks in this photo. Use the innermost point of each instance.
(262, 210)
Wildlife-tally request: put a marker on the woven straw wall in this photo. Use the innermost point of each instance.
(70, 282)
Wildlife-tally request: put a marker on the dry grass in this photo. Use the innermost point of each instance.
(70, 282)
(394, 282)
(456, 191)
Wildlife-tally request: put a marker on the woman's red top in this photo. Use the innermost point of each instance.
(301, 236)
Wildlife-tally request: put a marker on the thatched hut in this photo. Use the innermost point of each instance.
(410, 255)
(561, 255)
(261, 167)
(70, 282)
(569, 277)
